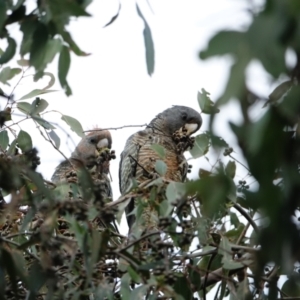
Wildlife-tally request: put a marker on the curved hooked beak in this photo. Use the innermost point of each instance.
(189, 128)
(101, 145)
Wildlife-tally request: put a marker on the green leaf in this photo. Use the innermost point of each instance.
(5, 115)
(203, 231)
(12, 147)
(9, 52)
(4, 140)
(114, 17)
(24, 107)
(73, 46)
(149, 46)
(3, 15)
(204, 173)
(139, 292)
(160, 150)
(38, 105)
(24, 141)
(291, 287)
(42, 122)
(125, 287)
(51, 82)
(182, 287)
(165, 208)
(134, 275)
(213, 199)
(55, 138)
(63, 69)
(207, 106)
(201, 146)
(36, 92)
(74, 125)
(280, 91)
(224, 42)
(23, 62)
(217, 141)
(39, 47)
(230, 169)
(53, 47)
(234, 234)
(236, 86)
(37, 277)
(6, 261)
(234, 220)
(7, 73)
(160, 167)
(227, 260)
(175, 191)
(265, 45)
(28, 26)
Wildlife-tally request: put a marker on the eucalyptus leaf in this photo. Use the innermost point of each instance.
(4, 140)
(207, 106)
(160, 167)
(38, 106)
(42, 122)
(24, 107)
(63, 69)
(36, 92)
(160, 150)
(39, 47)
(230, 169)
(23, 62)
(149, 45)
(201, 146)
(9, 52)
(8, 73)
(3, 15)
(175, 191)
(24, 141)
(55, 138)
(74, 125)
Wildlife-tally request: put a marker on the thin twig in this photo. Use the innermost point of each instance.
(127, 259)
(247, 217)
(243, 233)
(16, 123)
(140, 239)
(18, 234)
(12, 91)
(17, 245)
(121, 200)
(248, 249)
(197, 254)
(206, 274)
(116, 128)
(51, 142)
(240, 163)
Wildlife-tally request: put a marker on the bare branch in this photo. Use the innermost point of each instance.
(247, 216)
(116, 128)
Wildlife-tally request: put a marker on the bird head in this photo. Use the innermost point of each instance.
(179, 119)
(91, 146)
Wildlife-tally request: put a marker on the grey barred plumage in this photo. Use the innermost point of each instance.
(93, 154)
(138, 157)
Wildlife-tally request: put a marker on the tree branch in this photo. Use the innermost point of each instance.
(247, 216)
(116, 128)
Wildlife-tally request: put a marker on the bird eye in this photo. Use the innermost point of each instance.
(184, 116)
(93, 140)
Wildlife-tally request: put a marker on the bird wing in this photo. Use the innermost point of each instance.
(60, 172)
(129, 160)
